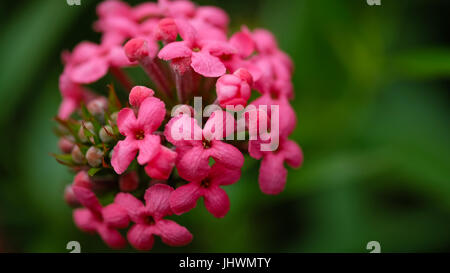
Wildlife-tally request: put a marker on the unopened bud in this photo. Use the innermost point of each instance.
(94, 156)
(66, 144)
(69, 197)
(81, 134)
(167, 30)
(129, 182)
(97, 106)
(106, 134)
(77, 155)
(113, 118)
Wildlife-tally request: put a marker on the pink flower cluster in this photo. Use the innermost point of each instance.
(156, 163)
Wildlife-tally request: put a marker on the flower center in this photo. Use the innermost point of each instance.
(206, 144)
(205, 183)
(196, 49)
(149, 220)
(139, 135)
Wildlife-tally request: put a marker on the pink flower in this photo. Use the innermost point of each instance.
(139, 134)
(103, 220)
(272, 173)
(184, 198)
(138, 94)
(203, 55)
(234, 89)
(89, 62)
(149, 220)
(195, 146)
(160, 167)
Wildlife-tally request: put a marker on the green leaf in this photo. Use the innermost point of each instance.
(93, 171)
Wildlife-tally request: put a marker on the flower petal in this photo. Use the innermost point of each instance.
(89, 71)
(141, 237)
(151, 114)
(161, 166)
(221, 175)
(149, 147)
(216, 201)
(226, 154)
(272, 174)
(126, 121)
(207, 65)
(115, 216)
(183, 130)
(124, 153)
(173, 234)
(130, 203)
(292, 153)
(111, 237)
(175, 50)
(87, 198)
(193, 164)
(184, 198)
(85, 220)
(157, 200)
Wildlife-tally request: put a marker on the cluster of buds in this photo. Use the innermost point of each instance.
(143, 150)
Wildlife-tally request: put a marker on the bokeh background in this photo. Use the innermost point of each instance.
(372, 97)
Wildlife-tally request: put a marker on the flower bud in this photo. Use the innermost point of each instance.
(70, 197)
(129, 182)
(167, 30)
(113, 118)
(97, 106)
(136, 49)
(81, 134)
(106, 134)
(66, 144)
(77, 155)
(234, 89)
(94, 156)
(138, 94)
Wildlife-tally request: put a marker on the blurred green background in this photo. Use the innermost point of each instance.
(372, 97)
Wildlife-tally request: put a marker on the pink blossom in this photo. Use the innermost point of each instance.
(203, 55)
(195, 146)
(89, 62)
(139, 134)
(160, 167)
(234, 89)
(102, 220)
(184, 198)
(272, 173)
(149, 219)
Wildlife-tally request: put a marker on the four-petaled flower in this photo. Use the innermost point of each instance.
(103, 220)
(184, 198)
(138, 134)
(195, 146)
(149, 219)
